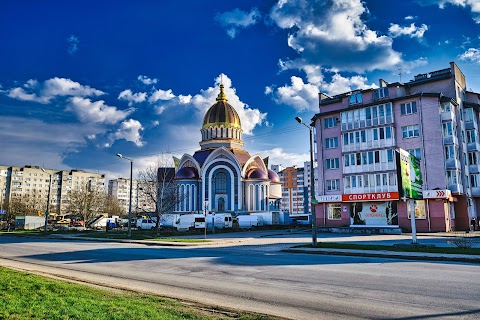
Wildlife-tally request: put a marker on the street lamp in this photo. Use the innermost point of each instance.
(312, 190)
(48, 198)
(129, 233)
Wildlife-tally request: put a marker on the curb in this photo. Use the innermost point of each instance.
(389, 254)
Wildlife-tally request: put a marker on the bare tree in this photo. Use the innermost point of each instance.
(157, 184)
(113, 206)
(86, 201)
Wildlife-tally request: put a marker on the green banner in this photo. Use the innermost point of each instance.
(410, 175)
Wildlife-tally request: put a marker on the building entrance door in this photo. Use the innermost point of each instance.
(221, 204)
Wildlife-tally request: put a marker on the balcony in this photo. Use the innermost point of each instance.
(476, 191)
(388, 166)
(450, 140)
(448, 115)
(473, 146)
(470, 125)
(456, 188)
(452, 164)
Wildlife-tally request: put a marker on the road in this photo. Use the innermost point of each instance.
(257, 277)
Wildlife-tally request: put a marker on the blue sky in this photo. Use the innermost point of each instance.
(82, 82)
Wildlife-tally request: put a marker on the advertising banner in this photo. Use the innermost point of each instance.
(374, 213)
(409, 175)
(419, 208)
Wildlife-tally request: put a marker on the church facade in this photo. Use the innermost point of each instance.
(221, 177)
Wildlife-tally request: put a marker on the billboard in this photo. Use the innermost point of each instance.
(409, 175)
(377, 214)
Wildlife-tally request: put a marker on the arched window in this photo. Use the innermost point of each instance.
(262, 200)
(220, 181)
(250, 205)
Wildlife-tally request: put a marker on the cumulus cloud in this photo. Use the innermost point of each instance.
(73, 43)
(280, 156)
(161, 95)
(411, 31)
(98, 112)
(132, 97)
(332, 33)
(130, 131)
(237, 19)
(302, 96)
(146, 80)
(473, 5)
(471, 55)
(44, 92)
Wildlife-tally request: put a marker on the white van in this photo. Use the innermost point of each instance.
(222, 220)
(248, 221)
(190, 221)
(146, 223)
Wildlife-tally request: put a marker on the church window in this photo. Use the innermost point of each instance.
(262, 200)
(251, 197)
(221, 183)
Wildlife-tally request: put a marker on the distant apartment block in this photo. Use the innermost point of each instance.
(32, 184)
(295, 188)
(435, 118)
(141, 202)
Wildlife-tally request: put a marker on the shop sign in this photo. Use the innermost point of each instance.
(330, 198)
(374, 214)
(437, 194)
(376, 196)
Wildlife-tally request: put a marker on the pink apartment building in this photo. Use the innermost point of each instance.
(435, 118)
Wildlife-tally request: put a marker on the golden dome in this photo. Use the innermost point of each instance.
(221, 114)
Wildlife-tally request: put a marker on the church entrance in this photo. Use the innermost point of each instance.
(221, 204)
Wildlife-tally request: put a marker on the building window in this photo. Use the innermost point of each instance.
(473, 158)
(471, 136)
(381, 93)
(450, 152)
(330, 122)
(333, 185)
(332, 163)
(452, 177)
(334, 211)
(447, 129)
(410, 131)
(468, 112)
(475, 180)
(416, 152)
(408, 108)
(331, 143)
(355, 98)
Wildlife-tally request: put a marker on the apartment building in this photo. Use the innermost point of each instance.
(120, 189)
(35, 186)
(295, 188)
(435, 118)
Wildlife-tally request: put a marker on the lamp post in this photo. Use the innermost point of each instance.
(312, 190)
(129, 233)
(48, 198)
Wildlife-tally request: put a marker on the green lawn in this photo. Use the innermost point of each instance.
(403, 248)
(28, 296)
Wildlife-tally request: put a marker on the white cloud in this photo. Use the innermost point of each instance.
(280, 156)
(471, 55)
(161, 95)
(237, 19)
(331, 33)
(72, 44)
(146, 80)
(410, 18)
(302, 96)
(96, 111)
(130, 131)
(131, 97)
(411, 31)
(56, 87)
(474, 5)
(340, 84)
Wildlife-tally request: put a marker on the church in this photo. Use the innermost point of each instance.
(221, 177)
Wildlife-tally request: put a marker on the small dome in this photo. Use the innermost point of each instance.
(221, 113)
(186, 173)
(257, 174)
(273, 176)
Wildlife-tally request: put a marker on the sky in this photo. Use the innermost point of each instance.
(83, 81)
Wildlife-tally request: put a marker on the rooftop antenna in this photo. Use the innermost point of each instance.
(400, 73)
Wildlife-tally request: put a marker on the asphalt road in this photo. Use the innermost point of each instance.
(255, 276)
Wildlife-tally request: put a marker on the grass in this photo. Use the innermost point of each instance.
(402, 248)
(28, 296)
(142, 235)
